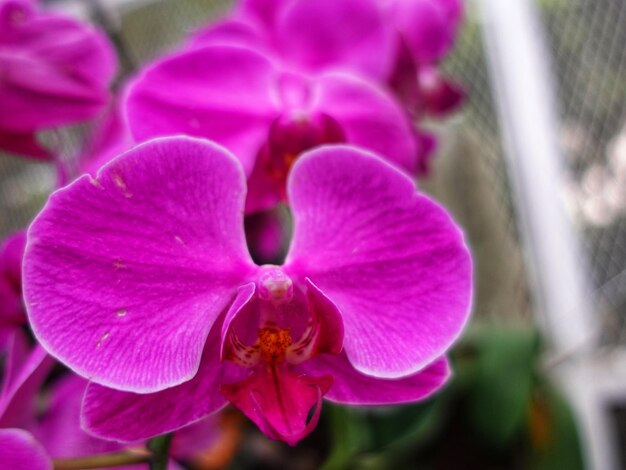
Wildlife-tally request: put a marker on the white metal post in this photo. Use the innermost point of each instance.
(519, 71)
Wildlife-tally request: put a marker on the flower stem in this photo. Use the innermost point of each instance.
(160, 448)
(114, 459)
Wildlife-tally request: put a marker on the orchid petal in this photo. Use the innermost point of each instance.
(11, 253)
(54, 69)
(233, 348)
(222, 93)
(324, 330)
(125, 273)
(77, 47)
(127, 416)
(352, 387)
(26, 370)
(192, 440)
(262, 11)
(369, 117)
(24, 144)
(324, 34)
(279, 401)
(427, 26)
(391, 260)
(40, 95)
(20, 451)
(232, 31)
(60, 430)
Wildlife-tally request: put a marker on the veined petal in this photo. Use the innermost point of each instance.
(125, 273)
(352, 387)
(279, 401)
(223, 93)
(392, 261)
(20, 451)
(127, 416)
(370, 118)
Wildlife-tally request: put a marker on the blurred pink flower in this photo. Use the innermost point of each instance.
(57, 429)
(54, 70)
(12, 314)
(265, 115)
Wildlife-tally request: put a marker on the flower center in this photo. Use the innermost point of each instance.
(289, 136)
(273, 343)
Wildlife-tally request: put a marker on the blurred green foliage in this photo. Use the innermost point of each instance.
(499, 411)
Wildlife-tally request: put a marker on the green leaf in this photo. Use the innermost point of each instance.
(554, 434)
(500, 397)
(350, 436)
(160, 450)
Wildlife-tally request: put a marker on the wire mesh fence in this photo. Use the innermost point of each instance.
(586, 40)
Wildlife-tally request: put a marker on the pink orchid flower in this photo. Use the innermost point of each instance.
(57, 433)
(265, 115)
(410, 38)
(315, 36)
(139, 279)
(54, 70)
(12, 314)
(427, 30)
(311, 36)
(19, 450)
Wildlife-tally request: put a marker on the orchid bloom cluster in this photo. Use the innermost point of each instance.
(139, 276)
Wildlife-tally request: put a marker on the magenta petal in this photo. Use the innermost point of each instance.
(73, 46)
(197, 437)
(352, 387)
(24, 144)
(219, 92)
(279, 401)
(427, 26)
(324, 34)
(369, 117)
(232, 347)
(53, 69)
(60, 430)
(441, 95)
(324, 331)
(40, 95)
(11, 254)
(232, 31)
(127, 416)
(391, 260)
(20, 451)
(26, 370)
(262, 11)
(125, 274)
